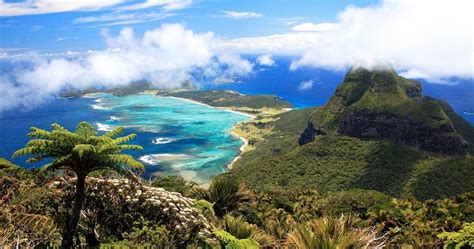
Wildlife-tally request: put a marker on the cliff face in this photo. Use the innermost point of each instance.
(309, 133)
(379, 104)
(369, 125)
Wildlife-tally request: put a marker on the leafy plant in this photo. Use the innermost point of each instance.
(229, 241)
(328, 232)
(238, 227)
(173, 183)
(205, 207)
(82, 152)
(224, 193)
(5, 164)
(463, 238)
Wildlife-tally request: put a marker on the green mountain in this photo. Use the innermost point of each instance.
(377, 132)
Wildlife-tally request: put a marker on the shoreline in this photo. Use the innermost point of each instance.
(244, 140)
(230, 131)
(242, 149)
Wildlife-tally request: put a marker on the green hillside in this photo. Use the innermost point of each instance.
(377, 132)
(230, 99)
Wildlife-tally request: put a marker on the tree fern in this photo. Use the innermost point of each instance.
(82, 151)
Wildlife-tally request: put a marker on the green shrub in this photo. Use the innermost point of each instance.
(463, 238)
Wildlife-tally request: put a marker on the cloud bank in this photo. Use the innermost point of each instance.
(428, 39)
(311, 27)
(241, 15)
(433, 38)
(166, 56)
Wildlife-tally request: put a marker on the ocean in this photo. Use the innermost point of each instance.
(189, 139)
(179, 137)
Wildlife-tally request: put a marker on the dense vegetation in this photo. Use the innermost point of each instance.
(334, 161)
(128, 212)
(231, 99)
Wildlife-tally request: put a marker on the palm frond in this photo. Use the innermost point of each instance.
(38, 133)
(126, 160)
(115, 132)
(130, 147)
(58, 163)
(81, 149)
(85, 130)
(125, 139)
(65, 135)
(23, 152)
(58, 127)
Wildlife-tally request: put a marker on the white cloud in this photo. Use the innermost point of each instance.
(311, 27)
(305, 85)
(265, 60)
(35, 7)
(290, 20)
(241, 15)
(126, 14)
(167, 56)
(279, 44)
(167, 5)
(36, 28)
(63, 38)
(123, 19)
(432, 38)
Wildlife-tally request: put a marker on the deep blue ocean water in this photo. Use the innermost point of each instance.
(190, 139)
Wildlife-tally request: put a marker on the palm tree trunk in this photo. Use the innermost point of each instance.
(71, 223)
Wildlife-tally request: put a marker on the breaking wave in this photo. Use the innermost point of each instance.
(163, 140)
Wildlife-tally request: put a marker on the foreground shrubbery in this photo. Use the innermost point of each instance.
(129, 212)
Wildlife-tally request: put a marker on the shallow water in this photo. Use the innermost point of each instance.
(178, 136)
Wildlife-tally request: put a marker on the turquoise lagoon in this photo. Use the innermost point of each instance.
(179, 137)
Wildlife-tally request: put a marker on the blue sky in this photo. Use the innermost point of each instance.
(61, 31)
(52, 45)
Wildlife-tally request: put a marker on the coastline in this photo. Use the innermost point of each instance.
(230, 131)
(244, 140)
(242, 148)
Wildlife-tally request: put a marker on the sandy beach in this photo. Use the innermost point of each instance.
(242, 149)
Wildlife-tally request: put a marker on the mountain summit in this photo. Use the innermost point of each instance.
(379, 104)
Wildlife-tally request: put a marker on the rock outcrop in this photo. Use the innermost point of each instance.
(309, 133)
(379, 104)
